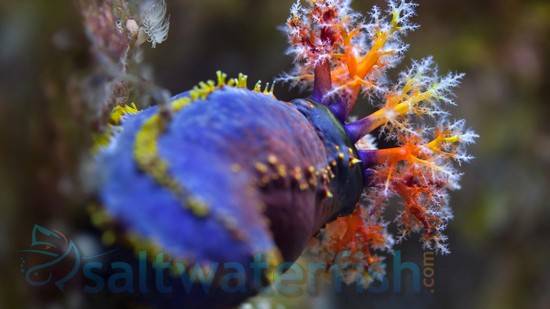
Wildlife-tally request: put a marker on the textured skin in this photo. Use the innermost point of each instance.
(230, 152)
(347, 184)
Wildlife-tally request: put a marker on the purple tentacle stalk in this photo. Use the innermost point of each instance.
(322, 82)
(357, 129)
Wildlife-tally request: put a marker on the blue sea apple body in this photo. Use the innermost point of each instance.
(269, 174)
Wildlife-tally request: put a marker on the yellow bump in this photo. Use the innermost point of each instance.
(269, 90)
(273, 259)
(146, 151)
(120, 111)
(260, 167)
(281, 170)
(258, 86)
(272, 159)
(222, 78)
(198, 208)
(102, 140)
(340, 156)
(202, 90)
(242, 81)
(195, 93)
(177, 105)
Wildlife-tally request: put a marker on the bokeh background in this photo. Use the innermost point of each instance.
(500, 238)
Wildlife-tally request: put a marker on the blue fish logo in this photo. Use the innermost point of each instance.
(53, 258)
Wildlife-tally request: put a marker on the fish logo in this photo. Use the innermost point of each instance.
(51, 258)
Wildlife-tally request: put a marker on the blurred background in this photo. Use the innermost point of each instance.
(500, 238)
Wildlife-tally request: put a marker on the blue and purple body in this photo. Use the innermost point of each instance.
(243, 175)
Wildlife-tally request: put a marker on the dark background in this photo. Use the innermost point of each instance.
(500, 236)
